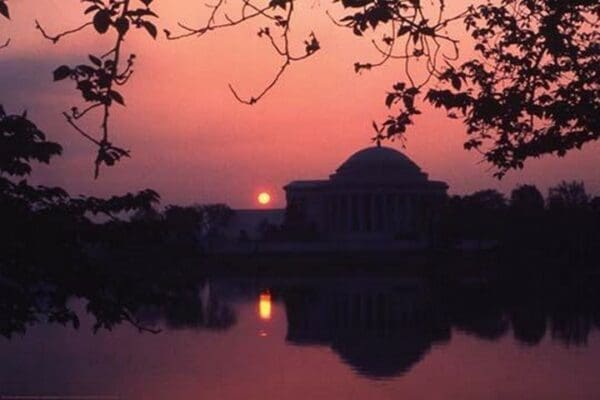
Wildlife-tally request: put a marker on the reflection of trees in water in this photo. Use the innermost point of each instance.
(478, 310)
(568, 307)
(528, 324)
(575, 310)
(383, 328)
(194, 309)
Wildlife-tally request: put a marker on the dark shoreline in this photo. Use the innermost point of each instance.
(440, 264)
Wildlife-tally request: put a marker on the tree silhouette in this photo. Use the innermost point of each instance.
(4, 9)
(6, 14)
(568, 195)
(55, 248)
(484, 212)
(47, 234)
(532, 89)
(595, 205)
(526, 219)
(526, 200)
(572, 222)
(97, 80)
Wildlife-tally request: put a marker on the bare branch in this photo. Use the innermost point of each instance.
(56, 38)
(250, 11)
(78, 129)
(213, 25)
(252, 100)
(127, 316)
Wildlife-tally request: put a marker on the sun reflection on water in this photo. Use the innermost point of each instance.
(264, 306)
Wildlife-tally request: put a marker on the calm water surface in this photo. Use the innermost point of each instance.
(320, 339)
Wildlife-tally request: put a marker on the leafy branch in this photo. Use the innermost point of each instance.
(531, 90)
(6, 14)
(534, 89)
(97, 80)
(410, 33)
(4, 9)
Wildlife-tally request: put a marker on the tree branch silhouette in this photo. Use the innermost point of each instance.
(410, 33)
(6, 14)
(97, 80)
(56, 38)
(532, 88)
(278, 21)
(4, 9)
(47, 235)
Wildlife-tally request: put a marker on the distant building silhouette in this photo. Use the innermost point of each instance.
(378, 193)
(377, 200)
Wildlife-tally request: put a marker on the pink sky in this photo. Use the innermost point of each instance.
(194, 143)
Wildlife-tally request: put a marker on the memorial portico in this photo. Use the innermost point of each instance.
(377, 193)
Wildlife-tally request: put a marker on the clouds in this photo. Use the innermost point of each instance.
(26, 83)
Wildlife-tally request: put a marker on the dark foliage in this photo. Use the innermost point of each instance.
(564, 230)
(478, 216)
(4, 9)
(526, 200)
(54, 247)
(535, 88)
(568, 196)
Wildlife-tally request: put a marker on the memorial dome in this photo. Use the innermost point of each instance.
(379, 163)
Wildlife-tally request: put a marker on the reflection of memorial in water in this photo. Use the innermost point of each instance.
(383, 326)
(380, 329)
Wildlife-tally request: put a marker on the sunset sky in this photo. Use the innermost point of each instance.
(194, 143)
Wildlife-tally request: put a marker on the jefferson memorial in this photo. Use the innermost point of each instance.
(376, 194)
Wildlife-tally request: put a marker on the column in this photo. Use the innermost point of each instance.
(397, 213)
(374, 213)
(368, 209)
(360, 211)
(353, 207)
(345, 214)
(334, 211)
(378, 212)
(386, 214)
(407, 213)
(339, 215)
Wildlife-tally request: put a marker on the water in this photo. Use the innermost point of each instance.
(367, 338)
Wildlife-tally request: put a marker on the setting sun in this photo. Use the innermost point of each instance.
(264, 198)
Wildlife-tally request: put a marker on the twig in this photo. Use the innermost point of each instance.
(55, 39)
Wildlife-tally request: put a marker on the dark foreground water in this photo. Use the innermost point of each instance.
(361, 338)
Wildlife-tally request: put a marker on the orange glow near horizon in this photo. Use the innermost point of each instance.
(264, 198)
(264, 306)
